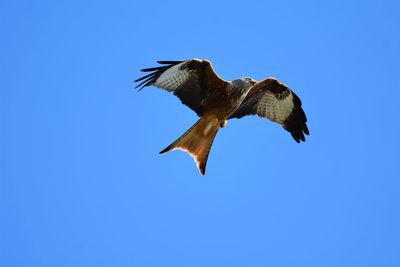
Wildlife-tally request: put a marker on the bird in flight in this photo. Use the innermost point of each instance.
(215, 101)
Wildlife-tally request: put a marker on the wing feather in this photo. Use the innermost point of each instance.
(273, 100)
(189, 80)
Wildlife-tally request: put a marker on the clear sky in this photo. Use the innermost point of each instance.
(82, 183)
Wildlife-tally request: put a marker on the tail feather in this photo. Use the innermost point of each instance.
(197, 141)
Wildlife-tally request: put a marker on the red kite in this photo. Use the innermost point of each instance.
(215, 100)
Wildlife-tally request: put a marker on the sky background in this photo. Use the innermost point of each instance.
(82, 183)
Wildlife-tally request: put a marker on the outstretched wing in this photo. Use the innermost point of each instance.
(189, 80)
(273, 100)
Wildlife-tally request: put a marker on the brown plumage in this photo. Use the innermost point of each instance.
(215, 100)
(197, 140)
(273, 100)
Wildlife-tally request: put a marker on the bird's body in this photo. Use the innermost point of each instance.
(216, 100)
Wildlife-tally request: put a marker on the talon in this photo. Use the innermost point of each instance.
(223, 124)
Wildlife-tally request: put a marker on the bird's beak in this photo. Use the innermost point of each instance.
(253, 82)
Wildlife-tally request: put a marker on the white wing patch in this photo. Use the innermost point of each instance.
(275, 109)
(173, 77)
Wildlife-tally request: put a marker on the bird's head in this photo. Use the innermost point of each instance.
(245, 83)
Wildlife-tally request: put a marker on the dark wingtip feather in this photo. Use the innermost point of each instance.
(144, 77)
(152, 69)
(301, 136)
(295, 137)
(296, 125)
(297, 132)
(146, 82)
(155, 73)
(305, 129)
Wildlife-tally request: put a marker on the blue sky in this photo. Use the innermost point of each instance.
(82, 183)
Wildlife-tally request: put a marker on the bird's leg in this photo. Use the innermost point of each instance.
(223, 124)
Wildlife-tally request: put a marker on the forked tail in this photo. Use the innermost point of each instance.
(197, 140)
